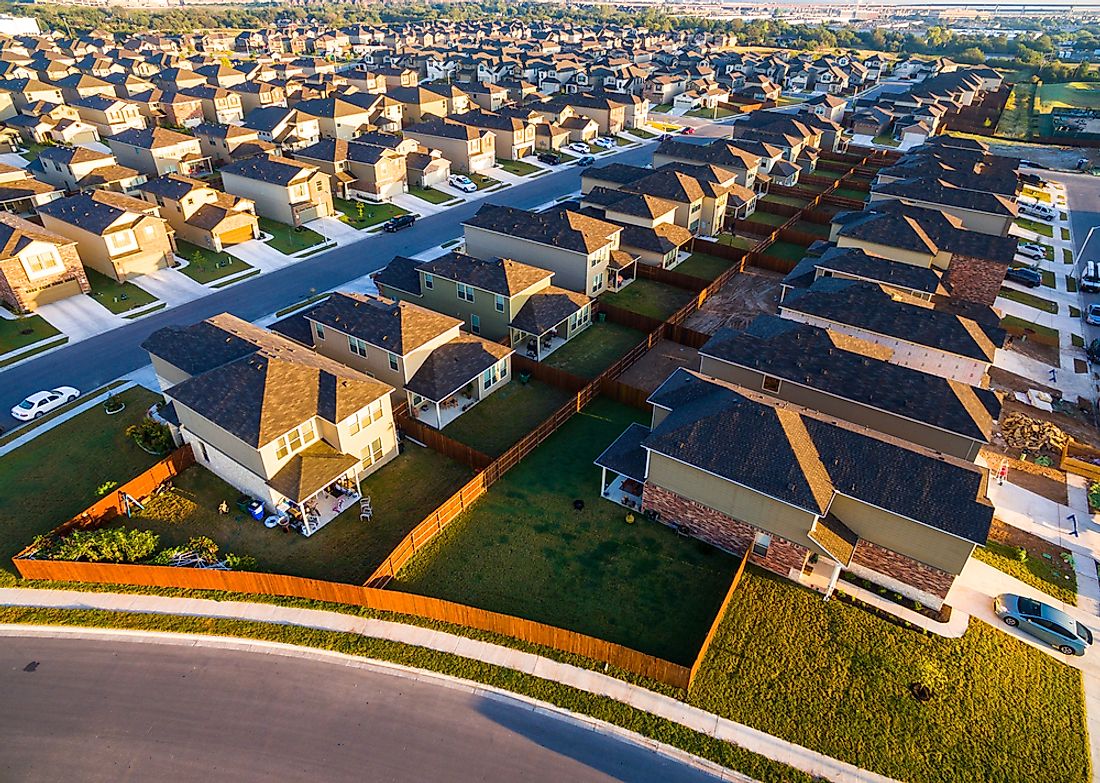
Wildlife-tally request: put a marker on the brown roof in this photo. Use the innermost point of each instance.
(561, 227)
(310, 471)
(399, 327)
(17, 232)
(498, 275)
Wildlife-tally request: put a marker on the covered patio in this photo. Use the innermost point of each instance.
(317, 485)
(625, 461)
(621, 270)
(548, 320)
(456, 377)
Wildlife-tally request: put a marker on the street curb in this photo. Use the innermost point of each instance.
(240, 644)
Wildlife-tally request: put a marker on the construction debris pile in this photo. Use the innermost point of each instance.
(1028, 434)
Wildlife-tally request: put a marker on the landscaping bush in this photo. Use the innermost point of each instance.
(99, 546)
(151, 436)
(202, 552)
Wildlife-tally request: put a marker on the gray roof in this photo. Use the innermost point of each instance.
(626, 456)
(399, 327)
(548, 308)
(454, 364)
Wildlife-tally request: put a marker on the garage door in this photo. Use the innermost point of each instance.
(54, 292)
(236, 235)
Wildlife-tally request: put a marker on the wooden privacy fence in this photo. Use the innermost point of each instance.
(695, 667)
(1081, 459)
(627, 395)
(551, 375)
(672, 277)
(436, 440)
(380, 600)
(629, 318)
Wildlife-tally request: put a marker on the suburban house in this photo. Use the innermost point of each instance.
(116, 235)
(22, 194)
(289, 129)
(805, 494)
(201, 214)
(227, 143)
(109, 115)
(157, 151)
(279, 422)
(497, 298)
(285, 190)
(469, 149)
(721, 152)
(984, 212)
(427, 358)
(582, 251)
(852, 263)
(219, 105)
(419, 103)
(81, 168)
(515, 138)
(841, 376)
(358, 168)
(36, 266)
(342, 116)
(917, 334)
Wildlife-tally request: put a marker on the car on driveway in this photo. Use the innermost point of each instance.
(398, 223)
(1092, 316)
(1031, 250)
(579, 147)
(549, 157)
(41, 403)
(1044, 622)
(462, 182)
(1024, 275)
(688, 131)
(604, 142)
(587, 160)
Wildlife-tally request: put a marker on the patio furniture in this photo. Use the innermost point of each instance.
(366, 513)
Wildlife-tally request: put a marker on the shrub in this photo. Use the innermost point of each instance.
(1020, 553)
(105, 487)
(104, 546)
(151, 436)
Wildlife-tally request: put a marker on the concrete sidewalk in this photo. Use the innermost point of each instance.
(46, 426)
(657, 704)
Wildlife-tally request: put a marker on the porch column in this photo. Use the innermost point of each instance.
(832, 581)
(603, 481)
(438, 416)
(538, 347)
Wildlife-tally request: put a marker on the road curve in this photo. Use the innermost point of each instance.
(95, 710)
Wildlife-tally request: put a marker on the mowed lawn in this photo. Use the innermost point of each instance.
(649, 297)
(836, 679)
(524, 550)
(496, 423)
(55, 476)
(595, 349)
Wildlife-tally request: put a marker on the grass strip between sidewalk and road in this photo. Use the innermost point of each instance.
(566, 697)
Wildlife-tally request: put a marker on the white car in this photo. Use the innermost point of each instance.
(605, 142)
(1092, 315)
(463, 183)
(1032, 251)
(43, 402)
(576, 146)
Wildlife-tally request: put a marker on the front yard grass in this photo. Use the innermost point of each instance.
(1034, 571)
(23, 331)
(713, 114)
(520, 168)
(1043, 229)
(287, 239)
(483, 181)
(641, 133)
(703, 266)
(1048, 334)
(206, 266)
(595, 349)
(54, 477)
(1031, 300)
(347, 549)
(522, 549)
(836, 679)
(372, 213)
(649, 297)
(495, 424)
(431, 195)
(117, 297)
(1067, 255)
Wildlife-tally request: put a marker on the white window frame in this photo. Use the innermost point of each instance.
(465, 292)
(357, 347)
(761, 542)
(392, 357)
(498, 302)
(429, 281)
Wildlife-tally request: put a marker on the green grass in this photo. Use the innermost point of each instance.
(1031, 300)
(31, 150)
(483, 181)
(402, 492)
(703, 266)
(1077, 340)
(649, 297)
(641, 133)
(852, 193)
(431, 195)
(26, 330)
(287, 239)
(595, 349)
(662, 108)
(22, 429)
(520, 168)
(1080, 95)
(117, 297)
(1067, 255)
(1043, 229)
(297, 305)
(522, 549)
(36, 349)
(1035, 571)
(769, 219)
(821, 230)
(1065, 233)
(1046, 333)
(791, 201)
(54, 477)
(508, 414)
(206, 266)
(836, 679)
(715, 114)
(373, 213)
(1071, 284)
(582, 702)
(1016, 119)
(743, 242)
(788, 251)
(886, 139)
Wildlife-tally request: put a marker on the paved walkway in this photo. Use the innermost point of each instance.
(584, 679)
(80, 317)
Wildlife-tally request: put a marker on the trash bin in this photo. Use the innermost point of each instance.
(601, 317)
(256, 510)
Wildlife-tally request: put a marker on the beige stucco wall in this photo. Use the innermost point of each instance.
(149, 232)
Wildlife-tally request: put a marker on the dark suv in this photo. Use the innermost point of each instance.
(398, 223)
(549, 157)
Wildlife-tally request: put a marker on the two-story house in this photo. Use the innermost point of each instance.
(219, 105)
(36, 266)
(109, 115)
(469, 149)
(81, 168)
(514, 137)
(282, 189)
(201, 214)
(375, 172)
(157, 151)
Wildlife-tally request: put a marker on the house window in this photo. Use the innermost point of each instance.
(429, 281)
(393, 360)
(771, 384)
(294, 440)
(465, 292)
(597, 283)
(499, 303)
(760, 544)
(376, 449)
(205, 455)
(475, 323)
(319, 330)
(357, 346)
(494, 374)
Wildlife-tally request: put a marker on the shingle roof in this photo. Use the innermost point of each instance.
(400, 273)
(16, 233)
(558, 227)
(399, 327)
(95, 211)
(454, 364)
(311, 470)
(499, 275)
(151, 138)
(626, 456)
(546, 309)
(857, 263)
(272, 168)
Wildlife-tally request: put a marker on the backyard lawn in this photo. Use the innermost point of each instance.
(817, 229)
(1069, 95)
(520, 168)
(117, 297)
(37, 495)
(372, 213)
(836, 679)
(852, 193)
(493, 425)
(347, 549)
(1031, 300)
(649, 297)
(703, 266)
(23, 331)
(287, 239)
(205, 266)
(733, 240)
(793, 201)
(595, 349)
(523, 549)
(431, 195)
(769, 219)
(788, 251)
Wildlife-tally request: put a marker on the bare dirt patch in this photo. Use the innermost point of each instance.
(747, 295)
(661, 361)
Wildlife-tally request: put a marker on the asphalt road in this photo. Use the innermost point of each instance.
(1083, 195)
(93, 710)
(91, 363)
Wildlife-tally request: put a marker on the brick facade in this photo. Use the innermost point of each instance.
(19, 293)
(975, 279)
(722, 531)
(903, 574)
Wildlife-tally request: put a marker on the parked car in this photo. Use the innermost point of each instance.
(604, 142)
(688, 131)
(587, 160)
(1024, 275)
(398, 223)
(1092, 315)
(462, 182)
(1031, 250)
(1046, 623)
(1093, 351)
(549, 157)
(41, 403)
(577, 146)
(1040, 211)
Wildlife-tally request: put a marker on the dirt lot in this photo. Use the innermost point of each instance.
(1077, 423)
(746, 296)
(1035, 546)
(661, 361)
